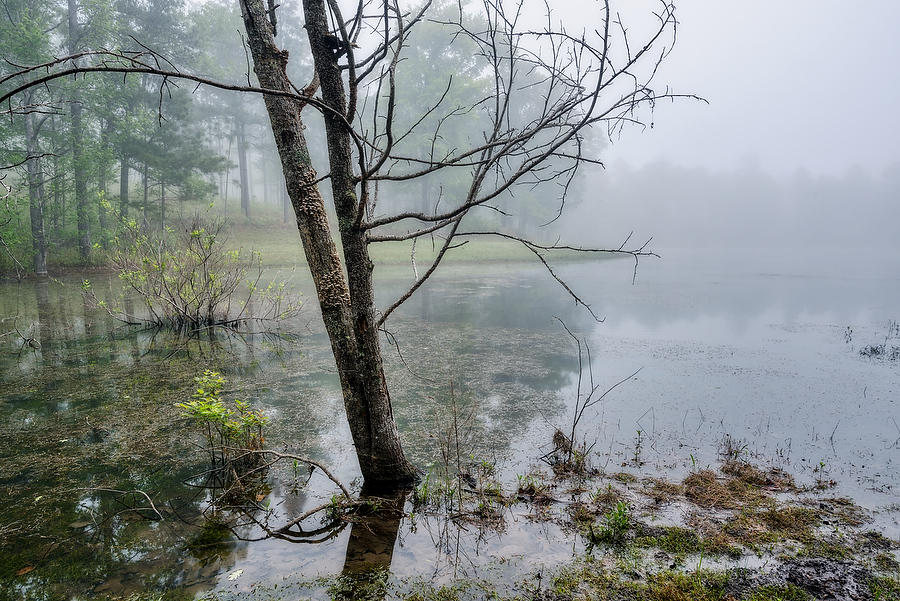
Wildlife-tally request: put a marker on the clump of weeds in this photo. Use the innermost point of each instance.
(661, 491)
(614, 526)
(532, 487)
(774, 479)
(706, 489)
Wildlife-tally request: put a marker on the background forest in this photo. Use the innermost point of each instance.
(83, 158)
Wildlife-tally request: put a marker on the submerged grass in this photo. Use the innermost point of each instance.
(672, 539)
(707, 489)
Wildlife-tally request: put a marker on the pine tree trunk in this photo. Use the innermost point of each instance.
(227, 175)
(124, 171)
(264, 172)
(146, 183)
(81, 203)
(286, 207)
(36, 197)
(101, 183)
(242, 165)
(347, 304)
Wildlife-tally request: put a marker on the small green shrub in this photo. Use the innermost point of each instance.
(187, 281)
(616, 523)
(233, 434)
(226, 427)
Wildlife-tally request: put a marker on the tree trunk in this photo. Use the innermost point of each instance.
(124, 171)
(162, 205)
(347, 310)
(245, 177)
(101, 182)
(146, 183)
(286, 202)
(227, 175)
(370, 550)
(36, 197)
(59, 199)
(265, 178)
(81, 204)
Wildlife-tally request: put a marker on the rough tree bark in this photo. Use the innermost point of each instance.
(347, 304)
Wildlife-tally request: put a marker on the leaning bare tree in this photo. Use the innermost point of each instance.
(595, 76)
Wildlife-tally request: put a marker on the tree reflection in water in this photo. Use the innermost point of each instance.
(370, 549)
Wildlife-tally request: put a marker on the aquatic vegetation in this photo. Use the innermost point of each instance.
(887, 349)
(707, 489)
(225, 427)
(731, 449)
(532, 485)
(656, 538)
(186, 280)
(614, 526)
(885, 588)
(775, 478)
(672, 539)
(234, 435)
(661, 491)
(606, 496)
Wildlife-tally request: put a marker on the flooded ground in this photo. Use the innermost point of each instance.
(761, 351)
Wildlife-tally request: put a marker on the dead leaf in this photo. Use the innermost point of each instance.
(24, 570)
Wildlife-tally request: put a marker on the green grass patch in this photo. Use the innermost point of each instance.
(280, 246)
(679, 541)
(885, 588)
(779, 593)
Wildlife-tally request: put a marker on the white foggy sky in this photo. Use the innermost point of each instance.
(791, 83)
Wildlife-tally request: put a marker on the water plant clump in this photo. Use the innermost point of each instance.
(616, 523)
(887, 349)
(233, 433)
(187, 280)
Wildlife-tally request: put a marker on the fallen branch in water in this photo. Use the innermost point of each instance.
(129, 492)
(279, 456)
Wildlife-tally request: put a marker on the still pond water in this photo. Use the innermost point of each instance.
(762, 349)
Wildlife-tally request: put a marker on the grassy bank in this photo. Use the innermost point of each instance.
(279, 245)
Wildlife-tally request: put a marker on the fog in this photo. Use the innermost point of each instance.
(791, 85)
(797, 147)
(741, 158)
(740, 208)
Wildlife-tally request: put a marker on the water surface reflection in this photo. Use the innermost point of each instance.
(758, 353)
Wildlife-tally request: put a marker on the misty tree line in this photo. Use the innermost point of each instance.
(744, 207)
(97, 148)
